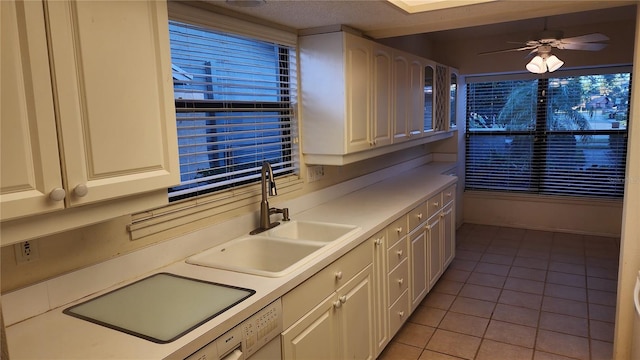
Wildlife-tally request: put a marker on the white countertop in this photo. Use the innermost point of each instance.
(54, 335)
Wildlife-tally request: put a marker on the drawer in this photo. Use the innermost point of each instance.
(397, 253)
(449, 194)
(417, 216)
(398, 313)
(434, 204)
(312, 291)
(398, 281)
(397, 230)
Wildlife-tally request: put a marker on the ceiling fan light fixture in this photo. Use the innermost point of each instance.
(537, 65)
(553, 63)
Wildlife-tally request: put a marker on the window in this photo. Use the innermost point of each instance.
(234, 108)
(556, 136)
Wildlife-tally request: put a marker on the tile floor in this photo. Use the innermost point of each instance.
(517, 294)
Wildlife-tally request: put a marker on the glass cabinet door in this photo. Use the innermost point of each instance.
(429, 95)
(453, 93)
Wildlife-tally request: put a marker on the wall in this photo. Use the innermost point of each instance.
(78, 248)
(630, 242)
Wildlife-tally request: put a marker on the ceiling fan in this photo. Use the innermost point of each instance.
(548, 39)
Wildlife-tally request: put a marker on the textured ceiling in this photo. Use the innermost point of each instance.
(381, 19)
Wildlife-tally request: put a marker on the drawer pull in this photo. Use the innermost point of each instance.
(399, 229)
(448, 194)
(399, 252)
(436, 204)
(339, 275)
(337, 304)
(400, 281)
(420, 216)
(401, 313)
(427, 227)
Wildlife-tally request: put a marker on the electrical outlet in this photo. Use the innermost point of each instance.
(315, 173)
(26, 251)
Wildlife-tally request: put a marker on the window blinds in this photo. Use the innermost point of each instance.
(234, 108)
(557, 136)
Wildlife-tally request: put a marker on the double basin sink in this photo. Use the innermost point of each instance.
(275, 252)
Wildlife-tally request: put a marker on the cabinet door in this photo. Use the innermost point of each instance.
(30, 164)
(313, 336)
(401, 85)
(415, 116)
(382, 97)
(358, 92)
(434, 248)
(448, 234)
(113, 86)
(356, 317)
(418, 265)
(381, 321)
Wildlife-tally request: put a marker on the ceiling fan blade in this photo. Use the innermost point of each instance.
(586, 38)
(508, 50)
(581, 46)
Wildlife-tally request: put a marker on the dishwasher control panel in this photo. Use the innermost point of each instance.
(261, 328)
(245, 339)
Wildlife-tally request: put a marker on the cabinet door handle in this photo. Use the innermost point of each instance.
(448, 194)
(378, 241)
(427, 227)
(339, 275)
(401, 313)
(80, 190)
(400, 252)
(400, 281)
(57, 194)
(337, 304)
(443, 215)
(343, 299)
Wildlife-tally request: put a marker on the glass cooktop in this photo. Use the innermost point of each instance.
(160, 308)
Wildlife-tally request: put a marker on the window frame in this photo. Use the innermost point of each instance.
(541, 133)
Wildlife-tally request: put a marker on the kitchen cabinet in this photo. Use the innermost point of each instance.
(340, 325)
(408, 74)
(440, 233)
(381, 318)
(418, 255)
(382, 96)
(398, 274)
(359, 99)
(89, 116)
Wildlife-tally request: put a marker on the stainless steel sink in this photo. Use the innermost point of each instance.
(276, 252)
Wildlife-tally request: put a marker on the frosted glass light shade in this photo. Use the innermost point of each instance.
(553, 63)
(537, 65)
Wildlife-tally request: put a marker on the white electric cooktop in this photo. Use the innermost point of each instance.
(160, 308)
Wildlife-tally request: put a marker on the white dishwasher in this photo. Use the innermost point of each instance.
(256, 338)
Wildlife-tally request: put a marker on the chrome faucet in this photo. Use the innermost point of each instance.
(265, 210)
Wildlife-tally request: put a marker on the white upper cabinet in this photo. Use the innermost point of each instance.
(30, 173)
(359, 98)
(90, 114)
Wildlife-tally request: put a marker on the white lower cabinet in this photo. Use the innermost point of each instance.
(381, 317)
(352, 308)
(341, 325)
